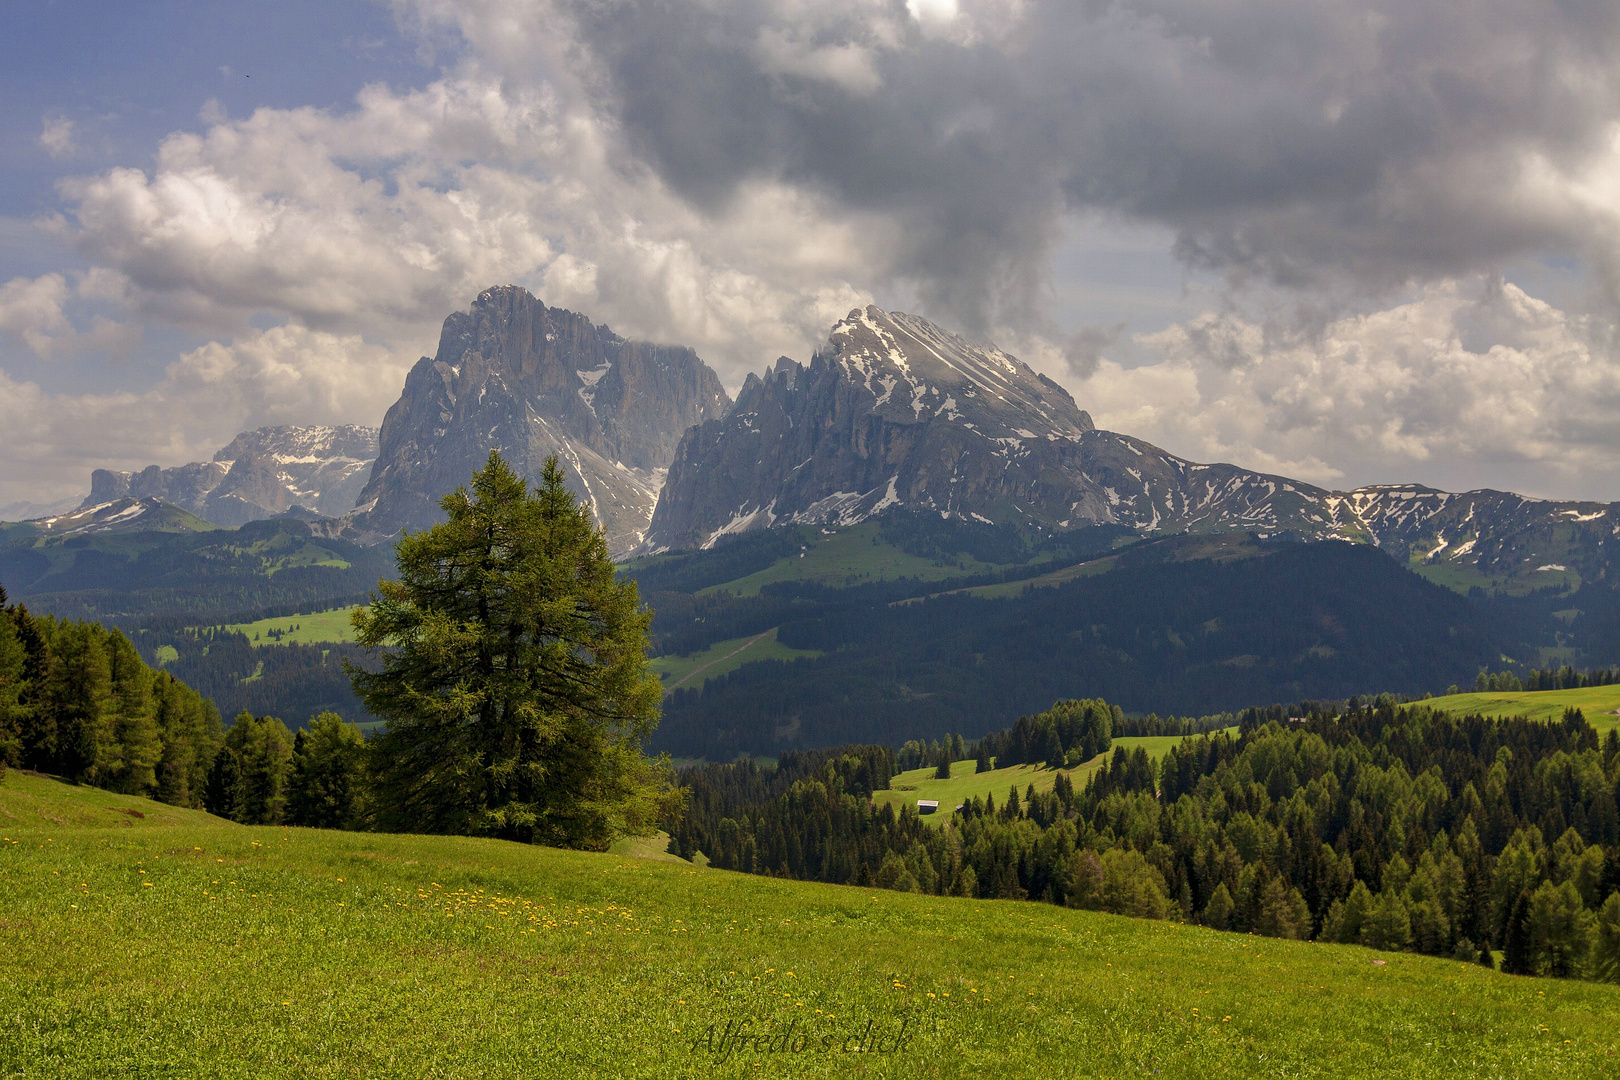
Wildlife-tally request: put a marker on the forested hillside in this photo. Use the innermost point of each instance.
(76, 700)
(1152, 630)
(1389, 826)
(130, 577)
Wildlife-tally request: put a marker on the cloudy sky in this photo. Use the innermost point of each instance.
(1352, 242)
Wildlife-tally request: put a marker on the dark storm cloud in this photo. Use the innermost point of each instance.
(1375, 143)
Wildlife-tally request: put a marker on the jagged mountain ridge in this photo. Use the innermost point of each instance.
(894, 412)
(124, 514)
(531, 381)
(258, 475)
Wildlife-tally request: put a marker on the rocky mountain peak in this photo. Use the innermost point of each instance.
(512, 374)
(890, 411)
(257, 475)
(915, 370)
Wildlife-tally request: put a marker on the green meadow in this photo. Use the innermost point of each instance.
(147, 941)
(907, 787)
(851, 556)
(1597, 702)
(321, 626)
(698, 668)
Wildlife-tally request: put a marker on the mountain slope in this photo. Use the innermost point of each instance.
(320, 952)
(1182, 625)
(893, 412)
(531, 381)
(258, 475)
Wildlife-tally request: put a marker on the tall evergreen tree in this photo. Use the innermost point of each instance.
(516, 692)
(223, 794)
(1517, 958)
(327, 786)
(263, 750)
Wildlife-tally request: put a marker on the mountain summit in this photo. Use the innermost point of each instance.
(259, 474)
(531, 381)
(894, 411)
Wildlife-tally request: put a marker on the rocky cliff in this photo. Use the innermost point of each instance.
(894, 412)
(258, 475)
(531, 381)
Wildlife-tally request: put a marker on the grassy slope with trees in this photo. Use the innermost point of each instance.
(184, 945)
(1598, 703)
(990, 624)
(1390, 826)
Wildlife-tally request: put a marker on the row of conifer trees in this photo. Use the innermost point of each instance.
(77, 701)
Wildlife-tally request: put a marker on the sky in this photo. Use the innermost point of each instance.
(1348, 242)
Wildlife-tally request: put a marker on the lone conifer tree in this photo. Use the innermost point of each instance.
(516, 693)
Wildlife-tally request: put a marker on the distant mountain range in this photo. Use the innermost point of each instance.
(259, 475)
(891, 412)
(894, 412)
(910, 534)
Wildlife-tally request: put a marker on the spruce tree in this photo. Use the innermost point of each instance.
(223, 794)
(1516, 958)
(516, 691)
(327, 786)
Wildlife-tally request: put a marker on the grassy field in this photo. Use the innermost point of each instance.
(1597, 702)
(1461, 578)
(849, 556)
(695, 670)
(908, 787)
(312, 629)
(146, 941)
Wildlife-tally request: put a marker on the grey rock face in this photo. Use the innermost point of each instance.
(894, 412)
(258, 475)
(531, 381)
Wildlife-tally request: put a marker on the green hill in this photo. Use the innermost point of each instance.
(149, 941)
(311, 629)
(1597, 702)
(722, 657)
(908, 787)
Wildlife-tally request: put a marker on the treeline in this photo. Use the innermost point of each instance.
(1068, 734)
(1564, 678)
(76, 700)
(201, 577)
(264, 774)
(1393, 827)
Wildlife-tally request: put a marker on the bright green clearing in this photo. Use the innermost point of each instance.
(964, 784)
(146, 941)
(851, 556)
(313, 629)
(1598, 703)
(698, 668)
(1461, 578)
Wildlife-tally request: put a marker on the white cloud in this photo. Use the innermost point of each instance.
(736, 176)
(384, 219)
(284, 375)
(847, 64)
(1467, 384)
(35, 310)
(56, 136)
